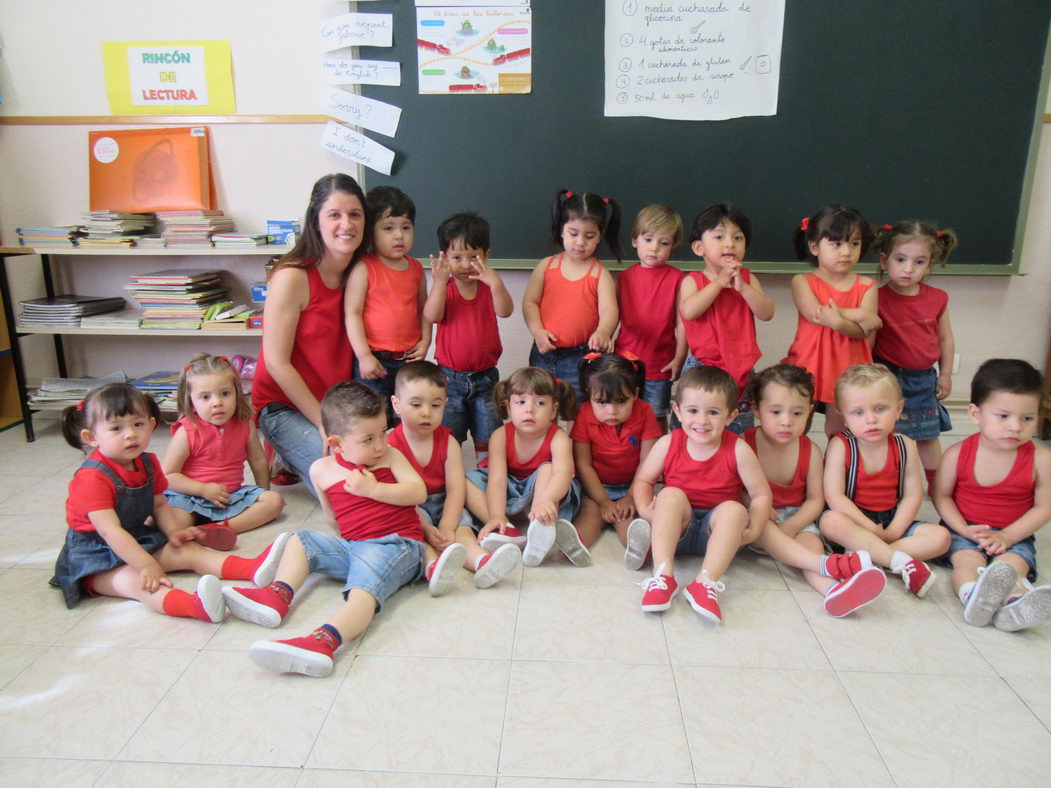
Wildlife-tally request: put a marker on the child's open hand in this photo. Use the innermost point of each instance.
(545, 340)
(153, 577)
(544, 511)
(215, 493)
(490, 526)
(435, 537)
(371, 368)
(361, 482)
(482, 272)
(440, 271)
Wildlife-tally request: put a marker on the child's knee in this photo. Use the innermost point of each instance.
(832, 523)
(730, 514)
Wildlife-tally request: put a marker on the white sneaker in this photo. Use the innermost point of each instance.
(497, 565)
(638, 544)
(568, 541)
(267, 570)
(994, 584)
(444, 568)
(539, 540)
(1028, 610)
(210, 592)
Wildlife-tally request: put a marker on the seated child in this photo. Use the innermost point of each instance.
(385, 294)
(993, 490)
(466, 298)
(419, 399)
(706, 472)
(529, 472)
(782, 397)
(874, 480)
(369, 492)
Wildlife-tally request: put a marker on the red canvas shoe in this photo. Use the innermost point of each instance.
(284, 478)
(918, 577)
(442, 571)
(218, 536)
(659, 591)
(208, 601)
(511, 535)
(310, 655)
(855, 592)
(843, 566)
(262, 606)
(703, 597)
(496, 565)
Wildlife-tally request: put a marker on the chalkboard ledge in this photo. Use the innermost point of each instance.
(773, 268)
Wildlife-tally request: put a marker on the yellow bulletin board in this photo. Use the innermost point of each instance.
(169, 77)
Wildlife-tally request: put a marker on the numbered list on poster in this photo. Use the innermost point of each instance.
(693, 60)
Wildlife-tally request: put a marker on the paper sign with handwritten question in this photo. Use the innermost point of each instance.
(343, 71)
(347, 143)
(361, 111)
(353, 30)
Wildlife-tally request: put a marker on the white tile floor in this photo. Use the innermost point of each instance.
(553, 676)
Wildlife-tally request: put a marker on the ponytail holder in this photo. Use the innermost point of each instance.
(569, 195)
(605, 200)
(887, 227)
(80, 406)
(937, 233)
(629, 356)
(185, 367)
(558, 381)
(805, 224)
(591, 357)
(224, 358)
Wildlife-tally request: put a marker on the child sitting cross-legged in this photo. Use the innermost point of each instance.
(369, 492)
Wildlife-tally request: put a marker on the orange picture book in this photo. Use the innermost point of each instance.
(147, 170)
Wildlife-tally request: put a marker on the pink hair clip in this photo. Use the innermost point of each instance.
(80, 406)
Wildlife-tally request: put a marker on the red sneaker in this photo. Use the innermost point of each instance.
(511, 535)
(310, 655)
(262, 606)
(704, 598)
(208, 601)
(659, 592)
(218, 536)
(269, 559)
(856, 591)
(442, 571)
(496, 565)
(918, 577)
(843, 566)
(284, 479)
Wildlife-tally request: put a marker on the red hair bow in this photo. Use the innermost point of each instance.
(80, 406)
(592, 356)
(887, 227)
(569, 195)
(605, 200)
(805, 224)
(629, 355)
(937, 233)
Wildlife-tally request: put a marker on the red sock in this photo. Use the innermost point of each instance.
(237, 568)
(183, 605)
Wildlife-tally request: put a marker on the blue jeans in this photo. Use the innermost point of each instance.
(383, 386)
(1026, 549)
(470, 404)
(434, 507)
(563, 363)
(694, 540)
(657, 394)
(294, 437)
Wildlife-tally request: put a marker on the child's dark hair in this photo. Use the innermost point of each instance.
(590, 207)
(658, 218)
(310, 247)
(207, 364)
(384, 201)
(105, 402)
(1005, 374)
(708, 378)
(420, 370)
(714, 215)
(531, 380)
(942, 242)
(834, 222)
(608, 376)
(788, 375)
(345, 403)
(467, 227)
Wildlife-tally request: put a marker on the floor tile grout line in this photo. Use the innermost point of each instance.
(679, 700)
(510, 676)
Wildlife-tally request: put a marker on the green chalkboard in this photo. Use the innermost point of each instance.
(903, 108)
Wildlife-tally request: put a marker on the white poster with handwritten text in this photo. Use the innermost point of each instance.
(693, 59)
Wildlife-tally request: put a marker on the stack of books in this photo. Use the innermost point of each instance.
(162, 385)
(237, 239)
(126, 318)
(227, 317)
(110, 229)
(49, 236)
(60, 392)
(193, 228)
(64, 310)
(149, 242)
(176, 298)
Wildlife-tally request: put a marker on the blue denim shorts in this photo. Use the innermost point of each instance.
(377, 566)
(563, 363)
(470, 405)
(694, 540)
(209, 512)
(1026, 549)
(784, 512)
(745, 418)
(616, 491)
(434, 506)
(520, 495)
(884, 518)
(657, 394)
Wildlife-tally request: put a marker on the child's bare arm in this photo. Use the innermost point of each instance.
(496, 483)
(866, 316)
(434, 306)
(353, 309)
(835, 486)
(912, 495)
(1037, 517)
(256, 459)
(545, 340)
(647, 476)
(693, 302)
(760, 303)
(455, 488)
(608, 314)
(941, 495)
(407, 489)
(947, 343)
(586, 473)
(546, 500)
(755, 484)
(814, 504)
(418, 352)
(319, 477)
(827, 315)
(675, 366)
(503, 304)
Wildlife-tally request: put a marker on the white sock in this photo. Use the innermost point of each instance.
(898, 561)
(965, 591)
(823, 569)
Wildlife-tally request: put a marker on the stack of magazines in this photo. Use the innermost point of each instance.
(193, 228)
(177, 298)
(64, 310)
(49, 236)
(60, 392)
(162, 385)
(108, 229)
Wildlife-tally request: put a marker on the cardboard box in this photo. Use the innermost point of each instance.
(284, 231)
(256, 321)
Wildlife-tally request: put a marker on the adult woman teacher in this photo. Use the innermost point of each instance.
(305, 346)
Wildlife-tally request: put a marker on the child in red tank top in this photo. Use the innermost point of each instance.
(874, 481)
(993, 491)
(700, 511)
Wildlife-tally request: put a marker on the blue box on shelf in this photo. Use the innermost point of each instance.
(259, 292)
(284, 231)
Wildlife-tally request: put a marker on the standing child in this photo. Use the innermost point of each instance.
(720, 304)
(647, 296)
(466, 298)
(529, 472)
(370, 493)
(993, 490)
(570, 303)
(205, 460)
(434, 453)
(783, 398)
(837, 307)
(916, 331)
(385, 295)
(612, 435)
(110, 549)
(706, 472)
(873, 481)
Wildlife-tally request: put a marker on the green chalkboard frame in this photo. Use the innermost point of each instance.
(888, 106)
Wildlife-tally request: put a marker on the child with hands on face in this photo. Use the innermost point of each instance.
(993, 492)
(110, 548)
(434, 452)
(528, 475)
(874, 481)
(204, 463)
(465, 300)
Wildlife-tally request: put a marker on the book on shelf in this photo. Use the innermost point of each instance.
(49, 236)
(126, 318)
(176, 276)
(237, 324)
(60, 392)
(65, 310)
(161, 380)
(235, 239)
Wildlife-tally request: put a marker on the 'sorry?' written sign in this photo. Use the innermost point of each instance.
(361, 111)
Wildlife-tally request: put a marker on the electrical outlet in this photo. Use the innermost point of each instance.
(955, 363)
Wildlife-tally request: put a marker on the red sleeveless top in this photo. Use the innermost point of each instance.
(523, 469)
(362, 518)
(997, 505)
(877, 491)
(569, 308)
(707, 483)
(724, 335)
(793, 493)
(217, 454)
(433, 474)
